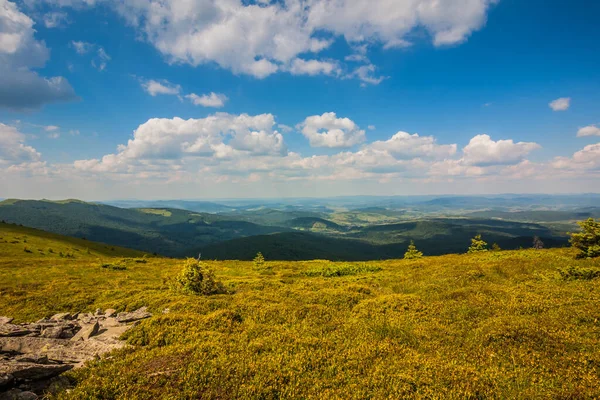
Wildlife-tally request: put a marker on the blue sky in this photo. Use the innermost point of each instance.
(311, 97)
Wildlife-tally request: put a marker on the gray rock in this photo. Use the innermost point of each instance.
(87, 332)
(17, 394)
(14, 330)
(110, 312)
(136, 315)
(32, 358)
(61, 317)
(5, 320)
(52, 332)
(32, 371)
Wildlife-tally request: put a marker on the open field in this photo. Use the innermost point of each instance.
(491, 325)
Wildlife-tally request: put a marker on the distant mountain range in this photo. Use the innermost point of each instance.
(289, 232)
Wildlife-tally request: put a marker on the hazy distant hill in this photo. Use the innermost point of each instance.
(384, 241)
(374, 233)
(165, 231)
(190, 205)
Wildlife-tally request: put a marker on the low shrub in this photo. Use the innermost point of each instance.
(334, 270)
(574, 273)
(196, 278)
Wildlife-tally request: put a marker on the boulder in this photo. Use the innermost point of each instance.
(136, 315)
(5, 320)
(32, 371)
(52, 332)
(32, 358)
(61, 317)
(86, 332)
(110, 312)
(14, 330)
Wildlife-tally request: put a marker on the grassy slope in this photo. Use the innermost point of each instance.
(492, 325)
(165, 231)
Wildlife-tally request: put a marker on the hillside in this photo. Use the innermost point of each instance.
(374, 233)
(27, 243)
(504, 324)
(432, 237)
(171, 232)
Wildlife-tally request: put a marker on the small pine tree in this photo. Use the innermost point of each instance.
(588, 240)
(477, 245)
(412, 253)
(259, 260)
(537, 243)
(196, 278)
(495, 247)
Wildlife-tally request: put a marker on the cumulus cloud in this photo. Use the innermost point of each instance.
(154, 88)
(584, 160)
(590, 130)
(328, 130)
(215, 100)
(483, 151)
(404, 145)
(314, 67)
(265, 37)
(220, 136)
(20, 53)
(13, 149)
(561, 104)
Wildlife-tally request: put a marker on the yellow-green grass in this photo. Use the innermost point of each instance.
(490, 325)
(156, 211)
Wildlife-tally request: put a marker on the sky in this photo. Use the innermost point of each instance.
(149, 99)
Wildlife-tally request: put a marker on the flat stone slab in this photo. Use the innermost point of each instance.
(35, 354)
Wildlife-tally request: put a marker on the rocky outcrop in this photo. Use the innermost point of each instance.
(33, 355)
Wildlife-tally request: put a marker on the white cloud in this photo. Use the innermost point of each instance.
(215, 100)
(590, 130)
(365, 74)
(404, 146)
(82, 47)
(262, 39)
(391, 21)
(13, 149)
(154, 88)
(55, 19)
(329, 131)
(483, 151)
(51, 128)
(173, 141)
(101, 57)
(561, 104)
(20, 87)
(54, 135)
(314, 67)
(371, 127)
(584, 160)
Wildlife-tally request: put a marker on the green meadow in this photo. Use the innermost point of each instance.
(519, 324)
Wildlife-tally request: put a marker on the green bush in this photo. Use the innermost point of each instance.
(477, 245)
(572, 273)
(334, 270)
(588, 240)
(412, 253)
(259, 260)
(196, 278)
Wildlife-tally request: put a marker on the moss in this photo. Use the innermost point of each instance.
(489, 325)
